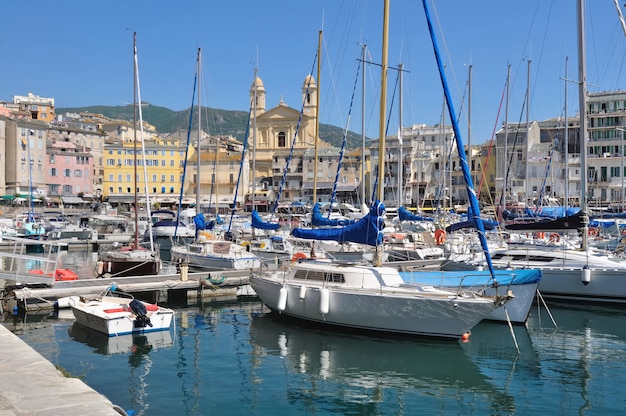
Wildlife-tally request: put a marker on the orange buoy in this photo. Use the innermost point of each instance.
(440, 237)
(465, 337)
(298, 256)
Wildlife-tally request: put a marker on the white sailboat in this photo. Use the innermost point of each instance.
(571, 274)
(133, 259)
(208, 251)
(370, 297)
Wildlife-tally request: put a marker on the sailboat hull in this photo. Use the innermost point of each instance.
(369, 298)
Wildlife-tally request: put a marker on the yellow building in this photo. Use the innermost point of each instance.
(220, 167)
(164, 162)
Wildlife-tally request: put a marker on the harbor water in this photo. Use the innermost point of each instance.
(234, 358)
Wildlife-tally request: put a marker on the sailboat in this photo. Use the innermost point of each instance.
(208, 251)
(133, 259)
(582, 274)
(370, 297)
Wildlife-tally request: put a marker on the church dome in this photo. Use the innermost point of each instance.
(257, 83)
(309, 81)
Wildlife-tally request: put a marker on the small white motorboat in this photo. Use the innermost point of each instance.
(119, 315)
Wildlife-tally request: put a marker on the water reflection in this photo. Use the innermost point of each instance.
(373, 370)
(136, 345)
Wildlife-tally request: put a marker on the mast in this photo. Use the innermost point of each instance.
(400, 157)
(566, 144)
(527, 123)
(363, 196)
(317, 114)
(143, 161)
(506, 136)
(582, 97)
(378, 256)
(469, 117)
(199, 62)
(254, 104)
(136, 241)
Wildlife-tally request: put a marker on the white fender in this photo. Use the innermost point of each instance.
(324, 301)
(100, 266)
(586, 275)
(282, 299)
(302, 292)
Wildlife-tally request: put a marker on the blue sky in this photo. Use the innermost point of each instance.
(80, 53)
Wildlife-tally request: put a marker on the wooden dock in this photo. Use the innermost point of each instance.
(157, 288)
(31, 291)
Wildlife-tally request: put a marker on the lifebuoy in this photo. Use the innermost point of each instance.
(555, 238)
(298, 256)
(440, 237)
(593, 232)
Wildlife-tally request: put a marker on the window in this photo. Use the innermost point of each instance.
(162, 178)
(172, 178)
(67, 173)
(281, 139)
(53, 171)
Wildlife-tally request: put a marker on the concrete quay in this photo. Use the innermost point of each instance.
(32, 386)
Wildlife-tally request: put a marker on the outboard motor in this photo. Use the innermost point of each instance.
(139, 309)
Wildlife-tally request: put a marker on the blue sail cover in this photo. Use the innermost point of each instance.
(472, 278)
(406, 215)
(318, 220)
(552, 212)
(257, 222)
(367, 230)
(487, 224)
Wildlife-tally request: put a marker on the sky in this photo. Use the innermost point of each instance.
(80, 54)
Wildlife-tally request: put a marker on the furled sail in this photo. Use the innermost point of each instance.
(257, 222)
(406, 215)
(367, 230)
(318, 220)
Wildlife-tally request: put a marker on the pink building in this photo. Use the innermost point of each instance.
(70, 171)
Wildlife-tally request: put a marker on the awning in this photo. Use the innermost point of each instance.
(341, 187)
(72, 200)
(122, 199)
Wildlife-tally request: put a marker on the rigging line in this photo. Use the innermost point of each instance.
(243, 155)
(543, 44)
(345, 135)
(493, 135)
(295, 136)
(539, 202)
(510, 162)
(182, 181)
(334, 85)
(393, 95)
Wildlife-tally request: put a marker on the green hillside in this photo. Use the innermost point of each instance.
(218, 122)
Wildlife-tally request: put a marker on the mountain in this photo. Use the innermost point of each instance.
(219, 122)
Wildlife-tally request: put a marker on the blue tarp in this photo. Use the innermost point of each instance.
(318, 220)
(405, 215)
(367, 230)
(257, 222)
(472, 278)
